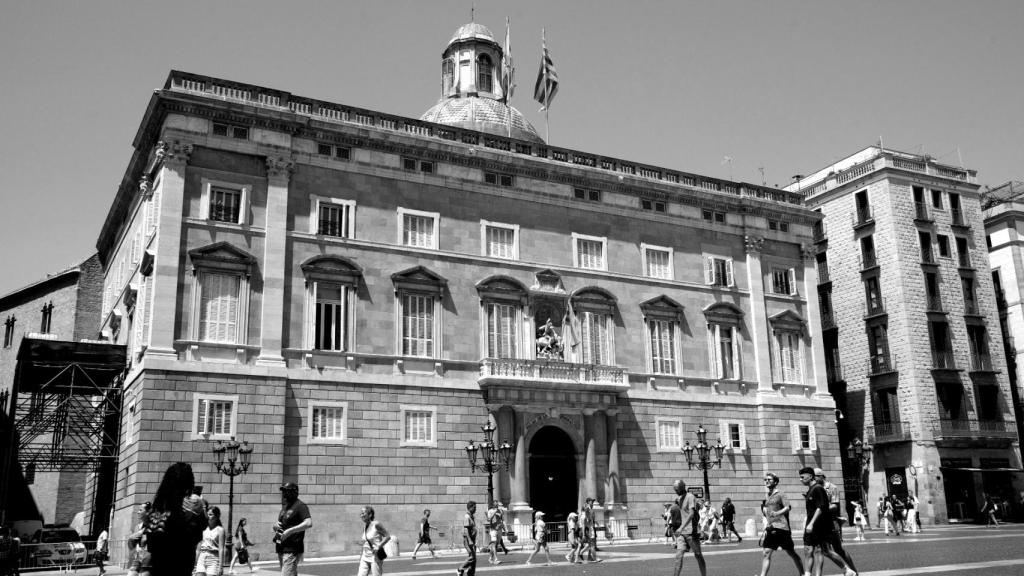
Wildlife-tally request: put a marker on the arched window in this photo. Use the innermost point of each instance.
(447, 76)
(485, 74)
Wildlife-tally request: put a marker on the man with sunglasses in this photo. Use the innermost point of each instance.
(778, 533)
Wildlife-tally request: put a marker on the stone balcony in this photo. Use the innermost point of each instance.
(552, 374)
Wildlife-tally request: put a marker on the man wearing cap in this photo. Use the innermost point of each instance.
(818, 526)
(837, 525)
(686, 533)
(290, 529)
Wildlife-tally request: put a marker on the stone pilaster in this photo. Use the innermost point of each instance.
(505, 418)
(817, 376)
(611, 490)
(519, 478)
(590, 447)
(279, 171)
(758, 315)
(172, 159)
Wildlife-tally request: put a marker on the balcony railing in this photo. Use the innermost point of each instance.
(868, 261)
(828, 320)
(997, 428)
(882, 364)
(964, 260)
(958, 217)
(927, 257)
(511, 369)
(874, 307)
(971, 308)
(891, 432)
(823, 275)
(921, 211)
(943, 360)
(328, 227)
(834, 373)
(963, 428)
(820, 232)
(981, 363)
(863, 216)
(935, 304)
(958, 428)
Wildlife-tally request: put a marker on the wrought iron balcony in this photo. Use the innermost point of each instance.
(958, 217)
(964, 259)
(329, 227)
(863, 216)
(981, 363)
(964, 428)
(935, 304)
(868, 261)
(921, 212)
(823, 275)
(943, 360)
(891, 432)
(512, 370)
(828, 320)
(820, 232)
(954, 428)
(834, 373)
(928, 257)
(882, 364)
(875, 307)
(971, 308)
(997, 428)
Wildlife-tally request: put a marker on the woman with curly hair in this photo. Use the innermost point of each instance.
(174, 525)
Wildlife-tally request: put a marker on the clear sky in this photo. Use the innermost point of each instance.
(787, 85)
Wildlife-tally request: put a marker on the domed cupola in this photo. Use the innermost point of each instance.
(471, 92)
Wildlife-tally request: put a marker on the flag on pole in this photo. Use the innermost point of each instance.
(508, 70)
(547, 79)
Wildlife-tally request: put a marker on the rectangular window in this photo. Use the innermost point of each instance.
(878, 343)
(718, 271)
(657, 262)
(663, 346)
(944, 246)
(595, 336)
(500, 240)
(9, 331)
(724, 351)
(153, 211)
(585, 194)
(653, 205)
(502, 333)
(331, 317)
(409, 163)
(334, 218)
(47, 318)
(733, 435)
(418, 325)
(499, 179)
(670, 434)
(589, 252)
(418, 229)
(803, 437)
(419, 426)
(937, 199)
(225, 204)
(214, 416)
(963, 253)
(227, 130)
(328, 423)
(788, 348)
(218, 307)
(713, 216)
(784, 281)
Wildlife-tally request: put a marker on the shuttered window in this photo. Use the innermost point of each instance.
(662, 341)
(718, 271)
(595, 336)
(218, 307)
(330, 317)
(418, 325)
(327, 423)
(670, 434)
(502, 333)
(214, 416)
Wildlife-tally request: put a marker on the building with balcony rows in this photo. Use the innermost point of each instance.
(356, 293)
(913, 348)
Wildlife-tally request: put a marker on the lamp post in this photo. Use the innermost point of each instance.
(703, 462)
(860, 454)
(492, 457)
(232, 458)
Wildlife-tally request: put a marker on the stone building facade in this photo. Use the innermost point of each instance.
(902, 263)
(356, 293)
(62, 306)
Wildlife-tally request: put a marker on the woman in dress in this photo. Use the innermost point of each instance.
(371, 563)
(212, 545)
(540, 538)
(242, 544)
(859, 521)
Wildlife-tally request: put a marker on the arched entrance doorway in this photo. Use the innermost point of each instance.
(553, 484)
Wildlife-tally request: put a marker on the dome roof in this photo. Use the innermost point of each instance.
(472, 31)
(482, 114)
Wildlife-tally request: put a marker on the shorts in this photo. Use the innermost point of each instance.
(290, 563)
(208, 563)
(818, 538)
(775, 538)
(494, 534)
(424, 539)
(686, 543)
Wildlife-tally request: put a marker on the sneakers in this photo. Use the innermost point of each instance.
(850, 572)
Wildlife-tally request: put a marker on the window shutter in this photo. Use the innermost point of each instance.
(713, 367)
(723, 433)
(729, 280)
(709, 270)
(792, 281)
(201, 417)
(813, 438)
(743, 436)
(794, 436)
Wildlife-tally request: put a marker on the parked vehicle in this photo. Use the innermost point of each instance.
(55, 546)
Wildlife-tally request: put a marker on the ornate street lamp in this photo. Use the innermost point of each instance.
(860, 454)
(492, 458)
(703, 461)
(232, 458)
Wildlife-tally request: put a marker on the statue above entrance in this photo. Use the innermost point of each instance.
(549, 343)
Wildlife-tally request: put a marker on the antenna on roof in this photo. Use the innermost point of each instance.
(761, 170)
(960, 156)
(728, 160)
(472, 11)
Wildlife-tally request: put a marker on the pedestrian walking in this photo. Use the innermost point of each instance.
(137, 553)
(837, 521)
(211, 547)
(539, 538)
(729, 520)
(174, 525)
(777, 533)
(859, 520)
(989, 508)
(423, 536)
(687, 534)
(375, 537)
(588, 552)
(899, 509)
(911, 522)
(667, 516)
(880, 511)
(493, 527)
(290, 530)
(818, 527)
(468, 567)
(572, 526)
(500, 521)
(887, 518)
(240, 555)
(102, 550)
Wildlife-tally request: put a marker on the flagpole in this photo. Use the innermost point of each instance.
(547, 91)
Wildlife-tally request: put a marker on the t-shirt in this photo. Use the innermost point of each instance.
(469, 526)
(293, 515)
(833, 498)
(687, 504)
(817, 499)
(675, 517)
(728, 512)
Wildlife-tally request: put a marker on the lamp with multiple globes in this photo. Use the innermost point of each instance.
(232, 458)
(703, 455)
(493, 457)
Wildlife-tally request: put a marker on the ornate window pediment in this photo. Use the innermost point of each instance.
(788, 321)
(419, 279)
(223, 255)
(596, 299)
(548, 281)
(501, 288)
(723, 313)
(662, 307)
(332, 268)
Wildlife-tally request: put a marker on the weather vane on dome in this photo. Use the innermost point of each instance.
(472, 11)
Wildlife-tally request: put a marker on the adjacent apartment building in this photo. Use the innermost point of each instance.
(356, 293)
(912, 340)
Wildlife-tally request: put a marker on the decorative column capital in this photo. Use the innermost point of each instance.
(753, 244)
(612, 412)
(145, 189)
(808, 251)
(589, 411)
(174, 154)
(280, 167)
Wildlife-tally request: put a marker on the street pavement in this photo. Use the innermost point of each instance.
(953, 550)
